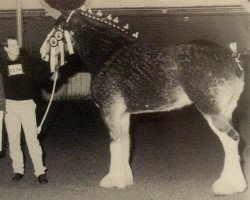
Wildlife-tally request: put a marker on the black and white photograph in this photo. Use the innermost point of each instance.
(124, 100)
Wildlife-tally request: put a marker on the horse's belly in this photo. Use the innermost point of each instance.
(175, 100)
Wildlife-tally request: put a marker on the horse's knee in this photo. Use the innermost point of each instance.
(112, 125)
(125, 123)
(118, 125)
(115, 134)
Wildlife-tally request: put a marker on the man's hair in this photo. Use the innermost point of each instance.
(5, 40)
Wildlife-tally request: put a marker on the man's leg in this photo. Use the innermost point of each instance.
(28, 119)
(13, 126)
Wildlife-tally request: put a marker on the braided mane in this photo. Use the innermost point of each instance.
(108, 25)
(98, 37)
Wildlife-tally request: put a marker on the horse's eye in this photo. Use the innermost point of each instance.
(64, 26)
(75, 21)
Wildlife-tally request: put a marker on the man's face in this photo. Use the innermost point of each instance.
(12, 49)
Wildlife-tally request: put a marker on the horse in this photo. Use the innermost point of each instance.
(129, 78)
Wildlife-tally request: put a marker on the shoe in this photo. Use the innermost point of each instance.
(17, 177)
(42, 179)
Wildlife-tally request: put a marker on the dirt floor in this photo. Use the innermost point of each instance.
(175, 156)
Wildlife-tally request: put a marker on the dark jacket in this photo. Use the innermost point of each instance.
(21, 76)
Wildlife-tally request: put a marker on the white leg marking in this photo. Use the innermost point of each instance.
(231, 179)
(120, 174)
(125, 122)
(117, 173)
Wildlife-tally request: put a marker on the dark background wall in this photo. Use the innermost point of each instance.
(154, 30)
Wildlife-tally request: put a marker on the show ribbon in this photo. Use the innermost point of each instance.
(68, 41)
(53, 58)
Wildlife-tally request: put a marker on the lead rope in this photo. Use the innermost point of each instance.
(39, 128)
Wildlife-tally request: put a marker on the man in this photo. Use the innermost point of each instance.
(19, 71)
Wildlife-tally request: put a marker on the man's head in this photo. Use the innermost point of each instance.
(11, 47)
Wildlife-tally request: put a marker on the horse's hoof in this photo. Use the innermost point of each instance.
(223, 187)
(118, 181)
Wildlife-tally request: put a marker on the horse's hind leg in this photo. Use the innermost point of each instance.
(120, 174)
(231, 179)
(217, 104)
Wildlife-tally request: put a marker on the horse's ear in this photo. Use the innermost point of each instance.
(87, 3)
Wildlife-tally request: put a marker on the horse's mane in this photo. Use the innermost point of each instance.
(106, 28)
(99, 37)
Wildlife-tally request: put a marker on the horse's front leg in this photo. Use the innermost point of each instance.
(120, 174)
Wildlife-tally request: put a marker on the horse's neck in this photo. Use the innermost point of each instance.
(101, 49)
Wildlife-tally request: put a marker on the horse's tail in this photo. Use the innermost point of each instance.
(241, 60)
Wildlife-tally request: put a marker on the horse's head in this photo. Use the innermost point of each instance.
(57, 43)
(90, 35)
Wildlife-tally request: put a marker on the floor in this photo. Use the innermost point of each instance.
(175, 156)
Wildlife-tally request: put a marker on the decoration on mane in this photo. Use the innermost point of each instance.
(99, 13)
(112, 22)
